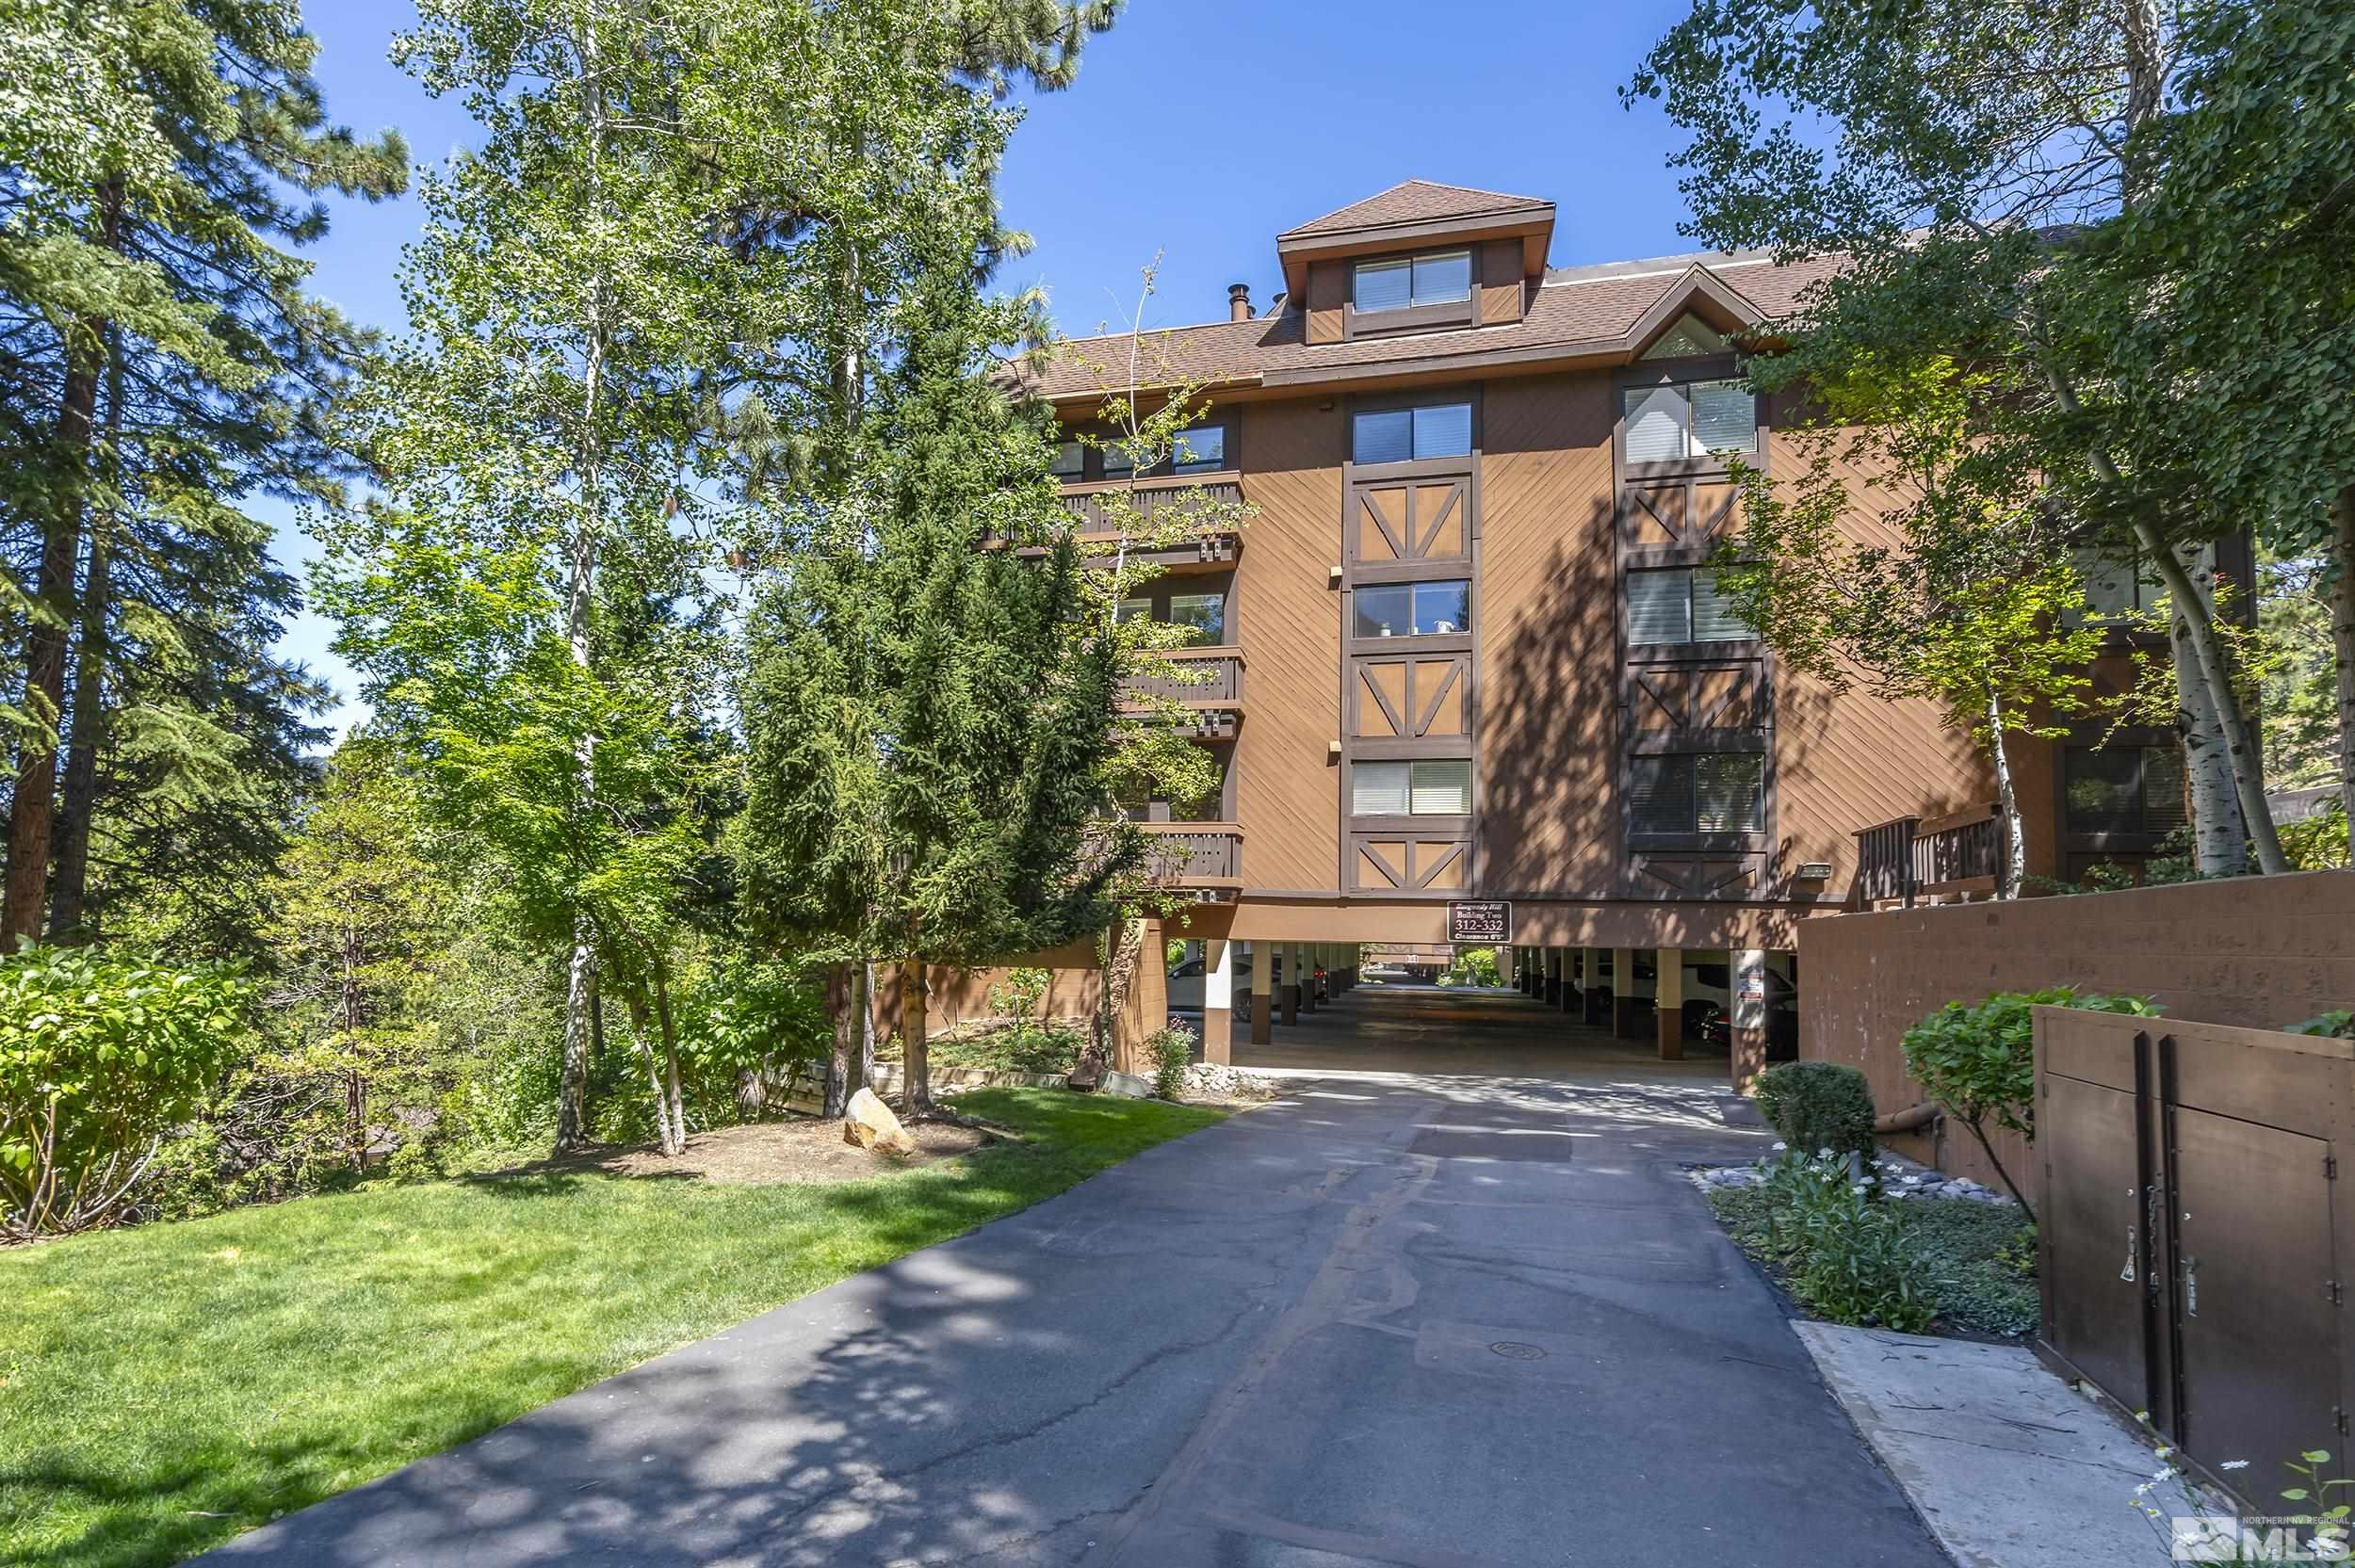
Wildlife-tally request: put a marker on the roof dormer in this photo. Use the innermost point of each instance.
(1418, 257)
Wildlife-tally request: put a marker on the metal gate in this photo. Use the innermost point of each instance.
(2194, 1252)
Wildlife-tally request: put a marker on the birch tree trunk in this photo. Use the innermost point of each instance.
(2342, 647)
(2015, 868)
(842, 998)
(2220, 846)
(672, 1107)
(571, 1101)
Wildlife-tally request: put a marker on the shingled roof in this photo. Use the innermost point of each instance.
(1416, 201)
(1589, 311)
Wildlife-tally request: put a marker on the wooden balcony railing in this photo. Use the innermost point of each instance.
(1222, 663)
(1203, 855)
(1908, 857)
(1163, 501)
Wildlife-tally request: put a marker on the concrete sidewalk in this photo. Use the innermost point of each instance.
(1441, 1325)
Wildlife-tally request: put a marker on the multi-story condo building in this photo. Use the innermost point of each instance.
(1464, 651)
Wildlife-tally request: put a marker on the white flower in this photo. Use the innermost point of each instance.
(1822, 1153)
(2233, 1465)
(1780, 1147)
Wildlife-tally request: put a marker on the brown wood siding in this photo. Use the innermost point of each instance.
(1502, 285)
(1286, 788)
(1548, 656)
(1844, 762)
(1328, 297)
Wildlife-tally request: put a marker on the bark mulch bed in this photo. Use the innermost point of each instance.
(801, 1149)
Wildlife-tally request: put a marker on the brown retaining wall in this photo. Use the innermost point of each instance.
(2254, 952)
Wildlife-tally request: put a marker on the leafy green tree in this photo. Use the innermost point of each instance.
(525, 610)
(1967, 596)
(1977, 1060)
(2220, 300)
(1964, 152)
(161, 364)
(358, 913)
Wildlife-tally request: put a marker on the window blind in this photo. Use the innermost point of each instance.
(1388, 286)
(1443, 430)
(1659, 605)
(1387, 436)
(1442, 279)
(1714, 619)
(1378, 789)
(1442, 787)
(1657, 418)
(1725, 418)
(1730, 793)
(1660, 795)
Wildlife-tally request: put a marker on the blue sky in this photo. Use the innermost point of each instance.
(1197, 129)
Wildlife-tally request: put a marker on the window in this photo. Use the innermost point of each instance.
(1070, 461)
(1411, 435)
(2131, 789)
(1690, 337)
(1681, 604)
(2122, 590)
(1413, 609)
(1437, 786)
(1394, 286)
(1200, 451)
(1689, 419)
(1117, 460)
(1203, 615)
(1133, 609)
(1705, 792)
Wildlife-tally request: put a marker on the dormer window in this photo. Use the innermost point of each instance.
(1407, 281)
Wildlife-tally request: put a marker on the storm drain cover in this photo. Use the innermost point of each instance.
(1513, 1349)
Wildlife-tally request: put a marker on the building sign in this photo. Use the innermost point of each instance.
(1485, 923)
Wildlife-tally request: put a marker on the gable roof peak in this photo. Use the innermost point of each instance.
(1417, 202)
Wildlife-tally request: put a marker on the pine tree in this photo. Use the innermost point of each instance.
(162, 366)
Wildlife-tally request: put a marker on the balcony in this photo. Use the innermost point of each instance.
(1165, 503)
(1213, 700)
(1957, 856)
(1204, 859)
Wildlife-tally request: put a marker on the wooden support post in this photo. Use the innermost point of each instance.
(1623, 997)
(1262, 992)
(1668, 1003)
(1218, 1000)
(1288, 989)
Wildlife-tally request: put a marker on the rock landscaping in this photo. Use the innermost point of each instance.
(1215, 1083)
(1899, 1178)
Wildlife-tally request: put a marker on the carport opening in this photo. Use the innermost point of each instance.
(1424, 1008)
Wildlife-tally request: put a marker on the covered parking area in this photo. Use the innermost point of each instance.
(1728, 1010)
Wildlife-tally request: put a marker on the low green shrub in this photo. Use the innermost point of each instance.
(1172, 1051)
(1819, 1106)
(1845, 1257)
(2338, 1023)
(100, 1054)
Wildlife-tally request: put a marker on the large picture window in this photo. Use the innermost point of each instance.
(1396, 285)
(1434, 786)
(2129, 789)
(1681, 604)
(1413, 609)
(1703, 792)
(1411, 435)
(1070, 461)
(1688, 419)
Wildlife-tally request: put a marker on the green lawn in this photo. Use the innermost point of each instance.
(163, 1388)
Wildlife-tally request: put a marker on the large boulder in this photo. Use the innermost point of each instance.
(869, 1125)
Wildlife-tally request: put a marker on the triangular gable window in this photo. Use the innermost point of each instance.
(1689, 337)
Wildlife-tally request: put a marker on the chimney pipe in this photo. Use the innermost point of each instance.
(1238, 301)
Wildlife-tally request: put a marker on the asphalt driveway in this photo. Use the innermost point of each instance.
(1458, 1322)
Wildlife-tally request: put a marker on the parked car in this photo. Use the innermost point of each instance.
(1783, 1021)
